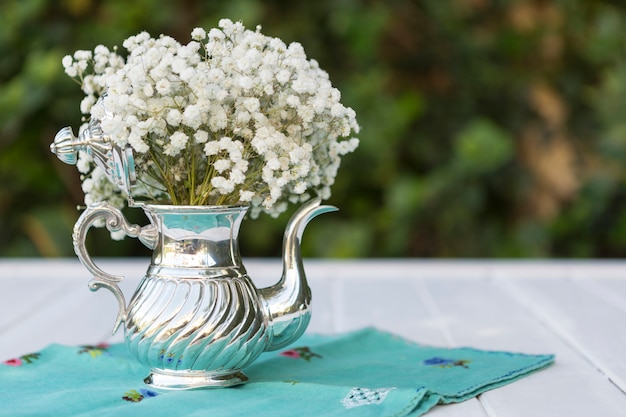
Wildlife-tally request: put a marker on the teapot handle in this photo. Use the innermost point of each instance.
(115, 221)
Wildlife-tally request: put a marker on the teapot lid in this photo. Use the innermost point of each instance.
(118, 163)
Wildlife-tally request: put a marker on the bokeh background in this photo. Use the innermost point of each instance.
(490, 128)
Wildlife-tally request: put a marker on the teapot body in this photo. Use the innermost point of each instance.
(196, 318)
(195, 327)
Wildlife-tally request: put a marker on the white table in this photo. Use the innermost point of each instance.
(576, 310)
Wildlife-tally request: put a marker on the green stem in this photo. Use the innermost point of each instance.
(191, 173)
(167, 183)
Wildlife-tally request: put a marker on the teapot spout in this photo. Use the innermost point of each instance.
(287, 303)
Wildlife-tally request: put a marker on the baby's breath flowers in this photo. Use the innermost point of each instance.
(232, 117)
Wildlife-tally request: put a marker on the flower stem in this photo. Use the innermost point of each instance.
(167, 183)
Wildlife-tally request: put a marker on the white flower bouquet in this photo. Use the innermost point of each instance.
(232, 117)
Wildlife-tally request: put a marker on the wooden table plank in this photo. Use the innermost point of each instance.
(480, 314)
(593, 325)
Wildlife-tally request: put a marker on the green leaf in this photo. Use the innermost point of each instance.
(482, 147)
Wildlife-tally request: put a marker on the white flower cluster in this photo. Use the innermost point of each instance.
(231, 117)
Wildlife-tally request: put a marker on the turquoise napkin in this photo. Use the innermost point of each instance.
(363, 373)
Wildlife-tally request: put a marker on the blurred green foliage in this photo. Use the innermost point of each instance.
(490, 128)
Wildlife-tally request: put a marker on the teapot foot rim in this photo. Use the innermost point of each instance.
(189, 380)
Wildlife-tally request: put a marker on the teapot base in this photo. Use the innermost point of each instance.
(187, 380)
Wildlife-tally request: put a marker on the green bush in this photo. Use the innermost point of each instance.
(489, 128)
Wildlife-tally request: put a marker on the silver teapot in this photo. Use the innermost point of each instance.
(196, 319)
